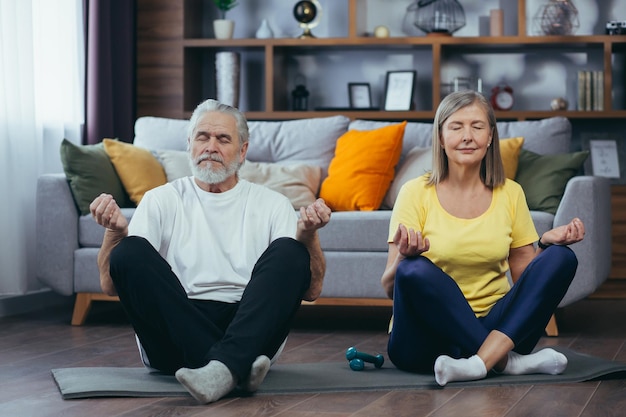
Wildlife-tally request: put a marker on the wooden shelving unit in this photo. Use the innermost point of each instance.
(199, 53)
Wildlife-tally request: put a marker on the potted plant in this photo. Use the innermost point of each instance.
(223, 27)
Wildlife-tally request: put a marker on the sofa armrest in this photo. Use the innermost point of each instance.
(588, 198)
(57, 233)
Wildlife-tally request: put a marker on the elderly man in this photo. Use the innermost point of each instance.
(212, 268)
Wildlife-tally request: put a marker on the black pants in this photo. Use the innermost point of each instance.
(176, 331)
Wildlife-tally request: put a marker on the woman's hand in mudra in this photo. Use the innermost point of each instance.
(409, 242)
(567, 234)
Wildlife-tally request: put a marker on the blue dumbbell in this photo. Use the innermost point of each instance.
(357, 359)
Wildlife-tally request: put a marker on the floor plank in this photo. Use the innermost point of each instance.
(33, 344)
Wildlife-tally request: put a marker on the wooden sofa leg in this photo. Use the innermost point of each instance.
(551, 328)
(82, 305)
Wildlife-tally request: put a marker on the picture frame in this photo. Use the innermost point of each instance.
(604, 158)
(359, 95)
(399, 89)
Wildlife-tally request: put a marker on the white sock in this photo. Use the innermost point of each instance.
(545, 361)
(209, 383)
(260, 368)
(448, 369)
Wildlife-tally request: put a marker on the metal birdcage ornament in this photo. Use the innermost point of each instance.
(557, 17)
(438, 17)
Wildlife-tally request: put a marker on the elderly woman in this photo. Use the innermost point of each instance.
(453, 235)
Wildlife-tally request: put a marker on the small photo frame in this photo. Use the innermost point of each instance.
(399, 89)
(604, 158)
(359, 95)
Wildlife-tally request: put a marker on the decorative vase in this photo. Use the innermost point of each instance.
(437, 17)
(227, 77)
(223, 28)
(496, 22)
(264, 31)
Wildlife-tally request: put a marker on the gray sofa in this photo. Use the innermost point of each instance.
(354, 242)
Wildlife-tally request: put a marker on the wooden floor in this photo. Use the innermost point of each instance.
(33, 344)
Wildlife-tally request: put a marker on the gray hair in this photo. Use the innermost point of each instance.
(491, 168)
(211, 105)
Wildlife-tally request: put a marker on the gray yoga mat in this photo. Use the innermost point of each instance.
(90, 382)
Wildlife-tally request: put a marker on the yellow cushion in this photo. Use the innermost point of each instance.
(509, 150)
(137, 168)
(362, 169)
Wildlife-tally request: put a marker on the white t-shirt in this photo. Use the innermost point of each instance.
(213, 240)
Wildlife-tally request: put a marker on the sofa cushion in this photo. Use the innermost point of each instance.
(356, 231)
(175, 163)
(90, 172)
(161, 133)
(90, 233)
(309, 141)
(86, 274)
(137, 168)
(416, 163)
(354, 274)
(300, 183)
(362, 168)
(509, 152)
(542, 220)
(416, 134)
(546, 136)
(544, 177)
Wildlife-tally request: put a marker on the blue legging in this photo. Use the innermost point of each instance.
(432, 316)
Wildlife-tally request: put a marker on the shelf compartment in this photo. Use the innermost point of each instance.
(615, 91)
(200, 84)
(327, 71)
(526, 71)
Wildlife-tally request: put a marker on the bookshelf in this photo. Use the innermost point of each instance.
(175, 67)
(270, 61)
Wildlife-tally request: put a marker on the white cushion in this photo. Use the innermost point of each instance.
(161, 133)
(299, 183)
(175, 163)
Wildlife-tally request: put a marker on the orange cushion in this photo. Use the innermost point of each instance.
(362, 169)
(509, 150)
(137, 168)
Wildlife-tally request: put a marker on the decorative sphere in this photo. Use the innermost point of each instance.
(381, 32)
(305, 11)
(558, 17)
(559, 103)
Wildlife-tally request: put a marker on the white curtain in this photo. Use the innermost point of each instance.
(41, 102)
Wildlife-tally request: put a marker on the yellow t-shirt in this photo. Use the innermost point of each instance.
(474, 252)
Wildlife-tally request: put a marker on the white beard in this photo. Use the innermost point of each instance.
(210, 175)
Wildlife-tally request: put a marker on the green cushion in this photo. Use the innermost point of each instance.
(544, 177)
(90, 173)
